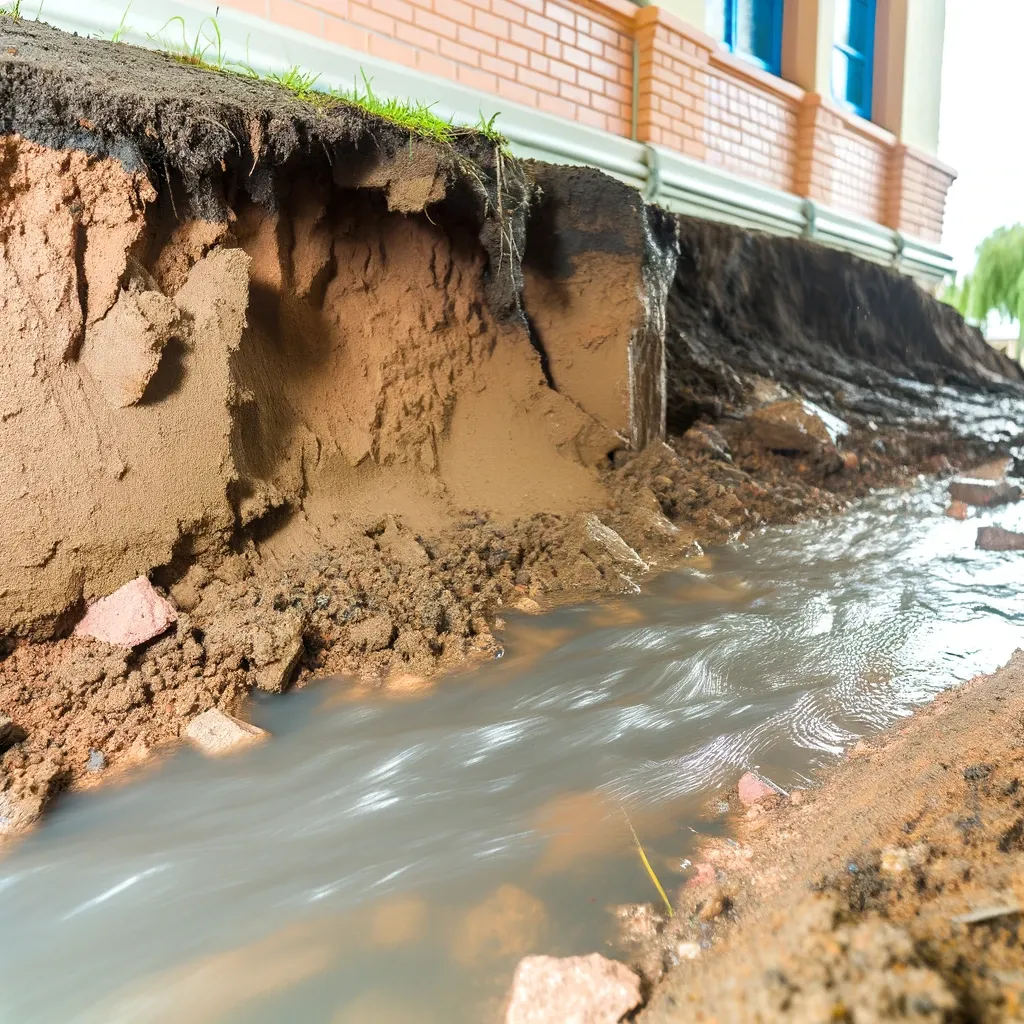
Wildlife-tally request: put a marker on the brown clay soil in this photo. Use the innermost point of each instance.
(894, 891)
(324, 383)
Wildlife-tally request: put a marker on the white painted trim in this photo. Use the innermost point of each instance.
(667, 178)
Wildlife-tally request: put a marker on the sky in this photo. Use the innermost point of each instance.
(979, 121)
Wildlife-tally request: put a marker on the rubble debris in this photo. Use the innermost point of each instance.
(581, 989)
(995, 538)
(130, 616)
(752, 789)
(798, 426)
(983, 494)
(216, 733)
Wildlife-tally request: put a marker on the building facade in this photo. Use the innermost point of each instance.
(836, 101)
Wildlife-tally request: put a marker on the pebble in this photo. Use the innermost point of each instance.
(97, 761)
(585, 989)
(215, 733)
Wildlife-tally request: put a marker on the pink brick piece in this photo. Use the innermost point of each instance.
(129, 616)
(751, 789)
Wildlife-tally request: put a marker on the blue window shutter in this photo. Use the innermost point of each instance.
(853, 54)
(753, 30)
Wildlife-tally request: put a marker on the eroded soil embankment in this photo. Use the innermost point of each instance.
(331, 385)
(892, 892)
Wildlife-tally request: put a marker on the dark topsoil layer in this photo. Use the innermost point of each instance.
(742, 308)
(204, 133)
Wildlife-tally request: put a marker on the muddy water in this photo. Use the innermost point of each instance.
(389, 860)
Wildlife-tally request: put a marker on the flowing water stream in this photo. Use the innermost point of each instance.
(389, 861)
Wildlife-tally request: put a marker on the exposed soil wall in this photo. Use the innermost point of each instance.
(845, 333)
(338, 390)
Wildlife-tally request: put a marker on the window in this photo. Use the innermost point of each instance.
(853, 54)
(753, 29)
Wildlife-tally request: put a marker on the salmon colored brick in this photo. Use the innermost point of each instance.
(502, 68)
(458, 11)
(479, 41)
(559, 13)
(261, 8)
(417, 37)
(297, 16)
(592, 117)
(431, 64)
(463, 55)
(477, 79)
(434, 23)
(556, 105)
(489, 24)
(517, 93)
(512, 12)
(367, 17)
(346, 34)
(545, 26)
(391, 49)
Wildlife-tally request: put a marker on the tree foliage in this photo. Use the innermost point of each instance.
(997, 281)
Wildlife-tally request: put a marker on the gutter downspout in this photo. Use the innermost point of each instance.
(810, 212)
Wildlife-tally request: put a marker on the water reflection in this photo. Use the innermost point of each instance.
(390, 859)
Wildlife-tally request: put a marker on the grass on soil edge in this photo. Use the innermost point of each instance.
(206, 50)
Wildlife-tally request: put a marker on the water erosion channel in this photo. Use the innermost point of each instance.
(390, 860)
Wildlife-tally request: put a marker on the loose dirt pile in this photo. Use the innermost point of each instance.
(893, 892)
(340, 390)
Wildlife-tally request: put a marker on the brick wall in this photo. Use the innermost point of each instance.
(751, 124)
(574, 59)
(671, 107)
(918, 185)
(844, 161)
(566, 58)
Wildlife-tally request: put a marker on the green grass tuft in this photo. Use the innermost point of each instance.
(206, 50)
(123, 27)
(11, 11)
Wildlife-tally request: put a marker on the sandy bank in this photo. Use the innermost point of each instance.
(891, 892)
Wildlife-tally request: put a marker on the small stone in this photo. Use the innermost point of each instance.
(139, 751)
(688, 950)
(796, 425)
(996, 469)
(984, 494)
(638, 922)
(97, 761)
(797, 797)
(276, 676)
(895, 861)
(995, 538)
(958, 510)
(215, 733)
(714, 905)
(571, 990)
(850, 460)
(751, 789)
(129, 616)
(527, 605)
